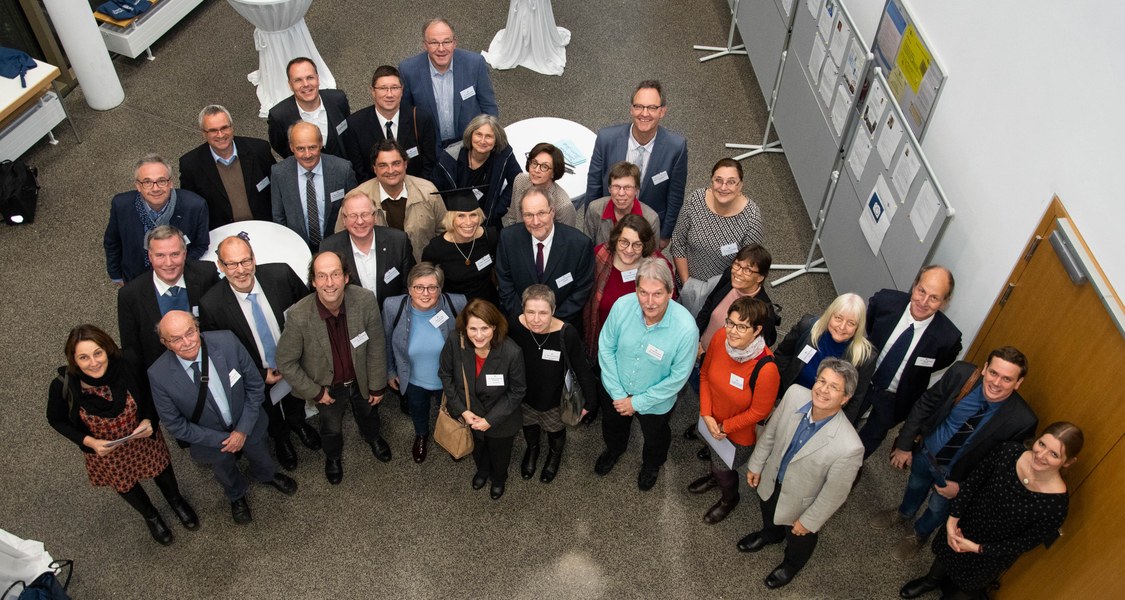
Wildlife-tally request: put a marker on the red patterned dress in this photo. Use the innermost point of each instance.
(133, 461)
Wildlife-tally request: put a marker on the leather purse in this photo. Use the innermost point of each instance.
(453, 434)
(573, 400)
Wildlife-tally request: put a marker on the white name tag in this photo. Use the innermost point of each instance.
(630, 275)
(341, 128)
(654, 352)
(806, 354)
(439, 318)
(479, 194)
(728, 249)
(924, 362)
(551, 355)
(494, 380)
(412, 152)
(187, 240)
(468, 92)
(390, 274)
(565, 279)
(334, 196)
(736, 381)
(359, 339)
(263, 184)
(660, 178)
(195, 311)
(234, 377)
(484, 262)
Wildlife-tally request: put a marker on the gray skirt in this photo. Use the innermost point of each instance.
(549, 420)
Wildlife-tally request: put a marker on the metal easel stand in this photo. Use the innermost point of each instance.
(812, 266)
(729, 49)
(766, 146)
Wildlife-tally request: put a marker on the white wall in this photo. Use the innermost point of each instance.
(1034, 107)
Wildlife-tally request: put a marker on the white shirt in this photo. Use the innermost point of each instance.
(214, 384)
(546, 247)
(906, 320)
(366, 265)
(317, 116)
(383, 123)
(632, 151)
(248, 312)
(162, 288)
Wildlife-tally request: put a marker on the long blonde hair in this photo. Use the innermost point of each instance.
(852, 306)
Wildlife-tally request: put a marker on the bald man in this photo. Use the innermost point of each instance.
(306, 189)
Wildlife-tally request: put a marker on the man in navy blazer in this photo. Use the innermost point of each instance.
(327, 109)
(661, 155)
(567, 259)
(332, 177)
(232, 173)
(411, 127)
(215, 368)
(451, 85)
(931, 344)
(133, 214)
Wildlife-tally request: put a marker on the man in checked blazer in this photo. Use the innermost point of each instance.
(331, 177)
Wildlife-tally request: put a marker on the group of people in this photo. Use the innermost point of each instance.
(442, 268)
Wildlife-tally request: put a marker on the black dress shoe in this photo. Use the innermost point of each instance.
(647, 478)
(589, 418)
(704, 453)
(479, 480)
(496, 491)
(781, 576)
(240, 511)
(606, 461)
(184, 512)
(753, 542)
(703, 484)
(530, 461)
(333, 470)
(720, 510)
(381, 450)
(283, 483)
(421, 446)
(286, 454)
(158, 529)
(917, 587)
(690, 433)
(308, 436)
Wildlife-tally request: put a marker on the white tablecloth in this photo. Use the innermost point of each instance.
(280, 35)
(523, 135)
(272, 243)
(531, 39)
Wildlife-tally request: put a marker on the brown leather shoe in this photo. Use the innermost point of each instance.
(908, 547)
(720, 511)
(703, 484)
(886, 519)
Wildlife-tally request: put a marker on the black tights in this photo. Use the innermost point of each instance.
(138, 499)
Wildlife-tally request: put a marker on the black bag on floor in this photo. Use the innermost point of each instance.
(47, 585)
(19, 192)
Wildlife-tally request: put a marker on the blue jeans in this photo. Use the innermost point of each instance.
(419, 400)
(918, 486)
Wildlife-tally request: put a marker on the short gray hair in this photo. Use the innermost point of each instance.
(656, 268)
(164, 232)
(844, 369)
(213, 109)
(151, 158)
(425, 269)
(538, 291)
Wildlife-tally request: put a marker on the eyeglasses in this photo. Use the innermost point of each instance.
(737, 268)
(440, 43)
(382, 89)
(739, 327)
(147, 184)
(245, 263)
(720, 182)
(834, 387)
(179, 339)
(383, 165)
(649, 107)
(540, 166)
(323, 277)
(359, 216)
(543, 214)
(425, 289)
(626, 244)
(622, 188)
(217, 130)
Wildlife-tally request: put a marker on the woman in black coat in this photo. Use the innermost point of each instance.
(485, 162)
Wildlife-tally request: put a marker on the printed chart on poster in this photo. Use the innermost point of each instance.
(915, 75)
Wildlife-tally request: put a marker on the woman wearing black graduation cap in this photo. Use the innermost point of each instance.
(467, 249)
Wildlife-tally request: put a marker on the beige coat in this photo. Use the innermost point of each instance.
(425, 211)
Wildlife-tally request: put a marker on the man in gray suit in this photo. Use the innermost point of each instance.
(333, 352)
(306, 188)
(804, 466)
(222, 417)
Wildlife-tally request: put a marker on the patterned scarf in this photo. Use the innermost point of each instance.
(163, 218)
(753, 350)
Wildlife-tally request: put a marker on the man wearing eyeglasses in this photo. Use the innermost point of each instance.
(344, 320)
(389, 118)
(252, 305)
(327, 109)
(376, 258)
(660, 154)
(449, 83)
(155, 202)
(232, 173)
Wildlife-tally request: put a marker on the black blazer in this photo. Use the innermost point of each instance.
(790, 365)
(219, 308)
(571, 253)
(392, 249)
(199, 174)
(499, 404)
(285, 113)
(415, 132)
(1013, 422)
(941, 342)
(703, 318)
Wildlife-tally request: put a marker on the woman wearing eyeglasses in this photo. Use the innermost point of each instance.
(416, 327)
(467, 250)
(545, 166)
(602, 214)
(485, 161)
(713, 224)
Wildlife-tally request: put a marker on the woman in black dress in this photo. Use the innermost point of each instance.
(1010, 503)
(467, 249)
(94, 401)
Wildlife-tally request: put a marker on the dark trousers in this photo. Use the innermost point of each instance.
(881, 421)
(224, 466)
(283, 415)
(655, 428)
(798, 548)
(492, 456)
(138, 499)
(420, 400)
(332, 421)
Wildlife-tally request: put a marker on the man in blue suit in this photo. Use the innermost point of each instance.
(451, 85)
(661, 155)
(222, 419)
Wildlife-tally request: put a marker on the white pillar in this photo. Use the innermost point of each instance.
(78, 32)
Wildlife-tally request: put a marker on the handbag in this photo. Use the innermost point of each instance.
(573, 399)
(46, 586)
(453, 434)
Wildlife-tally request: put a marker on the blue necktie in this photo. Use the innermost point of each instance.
(891, 362)
(269, 346)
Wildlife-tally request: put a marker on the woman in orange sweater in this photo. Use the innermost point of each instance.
(737, 387)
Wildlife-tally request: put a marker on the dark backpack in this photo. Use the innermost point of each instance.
(19, 192)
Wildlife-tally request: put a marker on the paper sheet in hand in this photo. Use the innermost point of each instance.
(118, 442)
(279, 390)
(723, 448)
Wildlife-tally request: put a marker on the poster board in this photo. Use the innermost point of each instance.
(915, 75)
(764, 31)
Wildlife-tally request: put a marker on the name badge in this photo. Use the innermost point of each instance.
(195, 311)
(263, 184)
(630, 275)
(565, 279)
(359, 339)
(335, 196)
(187, 240)
(479, 194)
(484, 262)
(728, 249)
(468, 92)
(806, 354)
(390, 274)
(660, 178)
(494, 380)
(439, 318)
(924, 362)
(341, 128)
(412, 152)
(736, 381)
(551, 355)
(654, 352)
(234, 377)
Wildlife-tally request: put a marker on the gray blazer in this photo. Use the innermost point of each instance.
(597, 228)
(398, 337)
(819, 476)
(304, 355)
(500, 404)
(285, 195)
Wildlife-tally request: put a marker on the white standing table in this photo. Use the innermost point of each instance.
(272, 243)
(523, 135)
